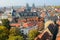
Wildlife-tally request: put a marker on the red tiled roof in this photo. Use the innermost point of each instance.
(15, 25)
(58, 38)
(25, 25)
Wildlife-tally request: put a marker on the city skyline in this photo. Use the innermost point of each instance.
(5, 3)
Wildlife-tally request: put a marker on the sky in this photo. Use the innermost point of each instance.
(4, 3)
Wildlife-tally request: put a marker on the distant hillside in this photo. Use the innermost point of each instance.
(57, 6)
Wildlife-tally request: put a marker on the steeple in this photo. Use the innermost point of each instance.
(13, 11)
(33, 5)
(4, 8)
(27, 5)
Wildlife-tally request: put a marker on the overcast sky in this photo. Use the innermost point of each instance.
(30, 2)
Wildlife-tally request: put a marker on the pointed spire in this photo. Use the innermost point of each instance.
(27, 5)
(4, 8)
(33, 5)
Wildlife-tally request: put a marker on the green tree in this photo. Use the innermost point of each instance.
(5, 22)
(3, 33)
(15, 38)
(14, 34)
(32, 34)
(14, 31)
